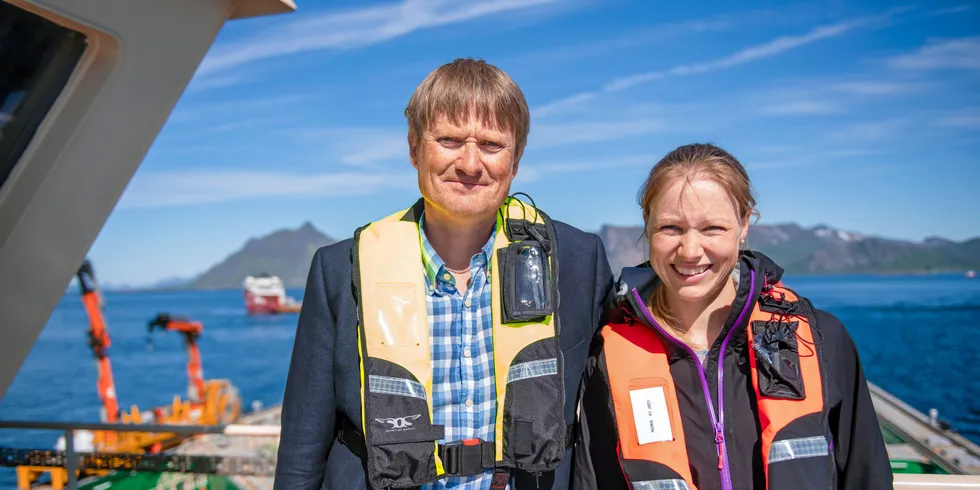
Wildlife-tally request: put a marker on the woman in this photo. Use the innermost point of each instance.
(710, 373)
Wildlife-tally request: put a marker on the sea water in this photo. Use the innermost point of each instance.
(916, 337)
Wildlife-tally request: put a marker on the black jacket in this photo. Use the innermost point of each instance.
(324, 382)
(858, 447)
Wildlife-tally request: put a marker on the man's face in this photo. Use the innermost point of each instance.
(465, 170)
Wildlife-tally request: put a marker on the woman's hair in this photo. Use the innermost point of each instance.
(693, 162)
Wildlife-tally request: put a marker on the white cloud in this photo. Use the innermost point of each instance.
(360, 145)
(876, 88)
(766, 50)
(961, 121)
(798, 158)
(356, 28)
(554, 135)
(534, 171)
(761, 51)
(205, 82)
(951, 10)
(819, 96)
(801, 108)
(233, 110)
(164, 189)
(559, 105)
(963, 118)
(865, 132)
(961, 53)
(600, 47)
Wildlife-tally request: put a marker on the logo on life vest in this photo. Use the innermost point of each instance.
(399, 423)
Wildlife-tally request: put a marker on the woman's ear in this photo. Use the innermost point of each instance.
(744, 232)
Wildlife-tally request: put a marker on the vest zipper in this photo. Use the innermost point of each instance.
(717, 421)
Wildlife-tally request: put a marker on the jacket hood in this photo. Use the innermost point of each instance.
(644, 279)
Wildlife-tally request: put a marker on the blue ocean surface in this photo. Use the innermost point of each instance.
(916, 337)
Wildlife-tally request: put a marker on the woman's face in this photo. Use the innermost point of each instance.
(694, 231)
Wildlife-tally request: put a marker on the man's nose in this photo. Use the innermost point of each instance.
(469, 161)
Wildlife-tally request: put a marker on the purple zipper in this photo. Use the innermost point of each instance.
(717, 422)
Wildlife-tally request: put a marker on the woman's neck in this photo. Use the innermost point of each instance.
(700, 323)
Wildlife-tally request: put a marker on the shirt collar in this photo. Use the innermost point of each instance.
(436, 275)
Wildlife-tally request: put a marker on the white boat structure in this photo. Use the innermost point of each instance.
(92, 84)
(266, 294)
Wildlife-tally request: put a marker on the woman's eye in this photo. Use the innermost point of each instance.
(671, 228)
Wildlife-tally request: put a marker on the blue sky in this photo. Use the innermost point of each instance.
(861, 115)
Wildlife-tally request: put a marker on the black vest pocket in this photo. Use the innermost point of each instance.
(534, 420)
(398, 427)
(800, 459)
(777, 358)
(805, 466)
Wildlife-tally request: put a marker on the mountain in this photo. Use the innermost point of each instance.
(821, 250)
(285, 253)
(818, 250)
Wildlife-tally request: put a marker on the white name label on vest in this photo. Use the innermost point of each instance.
(650, 415)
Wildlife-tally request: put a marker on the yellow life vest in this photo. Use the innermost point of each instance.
(401, 442)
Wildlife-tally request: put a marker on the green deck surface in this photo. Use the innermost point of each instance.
(150, 481)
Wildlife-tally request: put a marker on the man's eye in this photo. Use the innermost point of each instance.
(449, 142)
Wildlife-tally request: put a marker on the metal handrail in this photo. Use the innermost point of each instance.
(69, 428)
(227, 429)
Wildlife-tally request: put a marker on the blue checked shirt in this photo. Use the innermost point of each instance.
(461, 342)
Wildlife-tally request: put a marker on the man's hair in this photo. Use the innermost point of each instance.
(464, 85)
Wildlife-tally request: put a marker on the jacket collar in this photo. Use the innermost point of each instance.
(756, 270)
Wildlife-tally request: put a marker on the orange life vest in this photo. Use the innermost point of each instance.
(652, 449)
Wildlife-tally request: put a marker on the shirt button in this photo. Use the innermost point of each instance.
(469, 403)
(467, 302)
(447, 277)
(466, 352)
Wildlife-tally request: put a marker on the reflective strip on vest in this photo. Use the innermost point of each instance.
(532, 369)
(661, 485)
(396, 386)
(804, 447)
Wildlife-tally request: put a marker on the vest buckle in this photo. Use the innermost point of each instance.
(467, 457)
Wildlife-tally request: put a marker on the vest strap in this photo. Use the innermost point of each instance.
(349, 435)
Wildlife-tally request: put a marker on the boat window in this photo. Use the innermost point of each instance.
(37, 57)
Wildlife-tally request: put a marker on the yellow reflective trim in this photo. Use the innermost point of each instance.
(362, 356)
(440, 469)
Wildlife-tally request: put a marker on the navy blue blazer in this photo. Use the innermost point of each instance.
(324, 380)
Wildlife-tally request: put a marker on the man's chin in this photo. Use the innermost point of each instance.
(469, 204)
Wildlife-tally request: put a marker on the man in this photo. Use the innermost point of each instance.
(429, 352)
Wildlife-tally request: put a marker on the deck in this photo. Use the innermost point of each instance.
(912, 439)
(921, 440)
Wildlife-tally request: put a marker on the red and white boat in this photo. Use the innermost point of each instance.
(265, 295)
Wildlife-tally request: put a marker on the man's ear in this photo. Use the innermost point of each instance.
(517, 162)
(413, 148)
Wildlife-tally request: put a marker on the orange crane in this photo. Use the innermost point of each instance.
(213, 401)
(191, 330)
(210, 402)
(99, 340)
